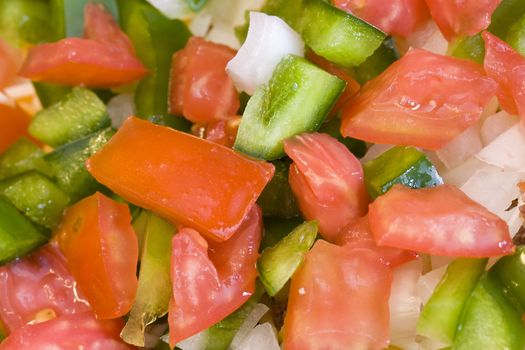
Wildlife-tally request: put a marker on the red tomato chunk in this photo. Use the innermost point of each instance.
(212, 280)
(191, 181)
(422, 100)
(338, 300)
(439, 221)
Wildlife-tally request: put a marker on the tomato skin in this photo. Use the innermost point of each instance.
(212, 280)
(460, 18)
(439, 221)
(506, 66)
(8, 63)
(13, 125)
(357, 235)
(338, 300)
(327, 180)
(97, 239)
(80, 331)
(200, 88)
(395, 17)
(222, 132)
(422, 100)
(37, 282)
(143, 171)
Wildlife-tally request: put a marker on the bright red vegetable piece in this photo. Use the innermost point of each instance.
(191, 181)
(101, 248)
(211, 280)
(460, 18)
(8, 63)
(80, 331)
(338, 300)
(506, 66)
(13, 125)
(396, 17)
(439, 221)
(104, 59)
(422, 100)
(200, 89)
(36, 285)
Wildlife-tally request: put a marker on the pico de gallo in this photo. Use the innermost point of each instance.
(262, 175)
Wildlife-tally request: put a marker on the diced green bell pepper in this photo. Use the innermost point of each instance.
(440, 317)
(400, 165)
(78, 114)
(154, 288)
(278, 263)
(22, 156)
(196, 5)
(36, 196)
(17, 235)
(516, 35)
(337, 35)
(49, 93)
(67, 164)
(380, 60)
(276, 228)
(510, 270)
(156, 38)
(489, 321)
(296, 100)
(277, 198)
(24, 22)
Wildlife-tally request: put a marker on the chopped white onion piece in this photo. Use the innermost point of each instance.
(375, 151)
(232, 14)
(174, 9)
(459, 175)
(429, 38)
(120, 107)
(495, 125)
(195, 342)
(201, 24)
(222, 33)
(249, 323)
(6, 100)
(262, 337)
(269, 40)
(507, 151)
(428, 282)
(461, 147)
(405, 305)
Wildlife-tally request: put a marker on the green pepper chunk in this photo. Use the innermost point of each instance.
(37, 197)
(399, 165)
(380, 60)
(17, 235)
(516, 36)
(24, 22)
(510, 270)
(276, 228)
(489, 321)
(22, 156)
(441, 314)
(49, 93)
(278, 263)
(277, 198)
(154, 288)
(296, 100)
(147, 28)
(196, 5)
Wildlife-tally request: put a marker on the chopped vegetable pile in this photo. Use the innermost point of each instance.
(262, 175)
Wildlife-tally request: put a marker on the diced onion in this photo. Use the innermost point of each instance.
(174, 9)
(375, 151)
(429, 38)
(195, 342)
(459, 175)
(262, 337)
(120, 107)
(249, 323)
(507, 151)
(495, 125)
(461, 147)
(428, 282)
(222, 33)
(269, 40)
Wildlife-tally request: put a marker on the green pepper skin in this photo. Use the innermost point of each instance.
(22, 156)
(24, 22)
(510, 270)
(516, 36)
(380, 60)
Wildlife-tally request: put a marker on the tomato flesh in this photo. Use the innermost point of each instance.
(327, 180)
(439, 221)
(13, 125)
(212, 280)
(507, 67)
(338, 300)
(101, 248)
(396, 17)
(200, 88)
(80, 331)
(191, 181)
(422, 100)
(460, 18)
(38, 283)
(8, 63)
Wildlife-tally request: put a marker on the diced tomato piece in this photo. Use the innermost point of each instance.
(101, 248)
(338, 300)
(460, 18)
(352, 86)
(105, 59)
(222, 132)
(36, 285)
(507, 67)
(200, 89)
(396, 17)
(327, 180)
(212, 280)
(439, 221)
(191, 181)
(8, 63)
(358, 235)
(422, 100)
(13, 125)
(80, 331)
